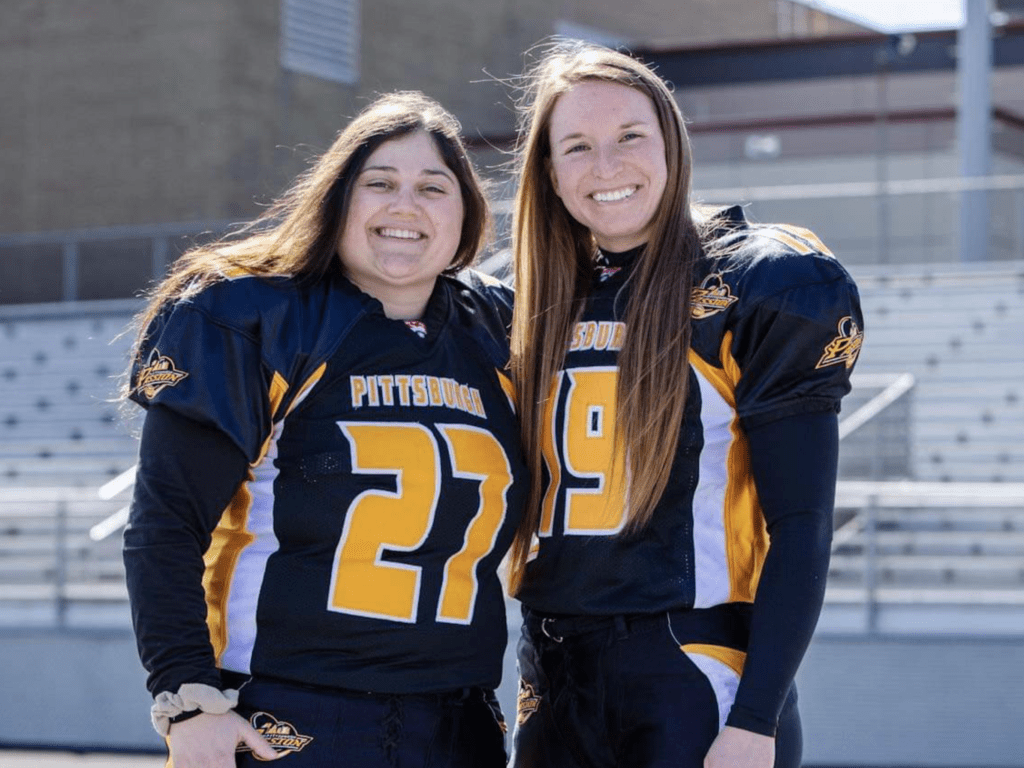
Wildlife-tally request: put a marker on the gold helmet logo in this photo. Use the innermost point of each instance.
(711, 297)
(280, 735)
(845, 347)
(527, 702)
(160, 372)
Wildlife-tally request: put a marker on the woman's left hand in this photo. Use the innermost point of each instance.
(737, 748)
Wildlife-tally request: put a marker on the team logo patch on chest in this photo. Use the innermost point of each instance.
(280, 735)
(845, 347)
(527, 702)
(160, 372)
(712, 296)
(604, 273)
(418, 327)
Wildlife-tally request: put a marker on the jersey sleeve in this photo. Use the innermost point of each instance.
(186, 476)
(793, 461)
(796, 338)
(209, 370)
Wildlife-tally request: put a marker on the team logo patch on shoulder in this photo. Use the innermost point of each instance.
(280, 735)
(527, 702)
(712, 296)
(160, 372)
(845, 347)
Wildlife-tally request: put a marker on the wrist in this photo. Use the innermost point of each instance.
(191, 699)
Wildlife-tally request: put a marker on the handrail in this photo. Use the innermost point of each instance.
(896, 386)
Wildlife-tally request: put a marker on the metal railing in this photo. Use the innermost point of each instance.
(909, 548)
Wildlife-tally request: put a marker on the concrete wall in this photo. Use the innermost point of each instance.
(897, 701)
(119, 113)
(81, 689)
(913, 702)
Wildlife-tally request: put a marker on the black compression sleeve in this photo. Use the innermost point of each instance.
(187, 474)
(794, 466)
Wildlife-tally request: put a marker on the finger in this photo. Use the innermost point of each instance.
(258, 744)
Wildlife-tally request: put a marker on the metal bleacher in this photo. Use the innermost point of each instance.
(935, 535)
(930, 507)
(63, 434)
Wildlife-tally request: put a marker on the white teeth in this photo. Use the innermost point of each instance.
(401, 234)
(611, 197)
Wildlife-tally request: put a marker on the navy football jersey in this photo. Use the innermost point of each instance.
(776, 329)
(385, 480)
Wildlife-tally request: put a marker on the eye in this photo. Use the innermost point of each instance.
(575, 148)
(381, 184)
(435, 189)
(630, 135)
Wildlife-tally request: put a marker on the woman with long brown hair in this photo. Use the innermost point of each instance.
(329, 468)
(679, 372)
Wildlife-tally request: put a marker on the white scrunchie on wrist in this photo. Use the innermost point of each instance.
(190, 696)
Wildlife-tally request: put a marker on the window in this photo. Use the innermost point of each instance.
(321, 38)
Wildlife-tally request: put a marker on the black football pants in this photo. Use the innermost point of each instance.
(620, 692)
(324, 728)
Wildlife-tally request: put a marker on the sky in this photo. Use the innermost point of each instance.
(897, 15)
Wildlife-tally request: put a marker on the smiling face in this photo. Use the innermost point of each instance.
(608, 161)
(404, 224)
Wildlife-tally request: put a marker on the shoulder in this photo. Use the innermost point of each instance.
(481, 292)
(754, 263)
(281, 317)
(483, 310)
(245, 304)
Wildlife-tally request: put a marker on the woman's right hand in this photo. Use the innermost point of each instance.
(209, 741)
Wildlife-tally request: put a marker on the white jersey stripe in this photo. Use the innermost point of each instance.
(711, 562)
(724, 681)
(251, 566)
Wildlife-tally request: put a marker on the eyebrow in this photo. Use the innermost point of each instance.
(424, 172)
(624, 126)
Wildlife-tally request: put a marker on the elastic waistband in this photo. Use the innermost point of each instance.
(727, 624)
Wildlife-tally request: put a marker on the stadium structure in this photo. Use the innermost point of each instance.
(904, 153)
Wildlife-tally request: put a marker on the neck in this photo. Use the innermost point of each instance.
(405, 306)
(404, 303)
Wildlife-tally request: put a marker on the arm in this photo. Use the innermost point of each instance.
(793, 461)
(186, 476)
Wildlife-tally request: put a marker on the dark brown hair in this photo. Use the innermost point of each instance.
(298, 235)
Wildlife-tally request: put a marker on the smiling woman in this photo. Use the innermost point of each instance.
(403, 225)
(679, 389)
(327, 485)
(608, 162)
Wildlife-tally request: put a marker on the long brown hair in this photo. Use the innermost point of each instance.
(553, 267)
(298, 234)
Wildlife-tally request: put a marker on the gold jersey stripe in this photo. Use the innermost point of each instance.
(732, 658)
(746, 535)
(229, 538)
(801, 240)
(278, 389)
(509, 388)
(307, 385)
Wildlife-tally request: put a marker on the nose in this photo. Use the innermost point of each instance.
(403, 200)
(607, 162)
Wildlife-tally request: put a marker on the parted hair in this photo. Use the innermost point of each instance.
(554, 256)
(297, 235)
